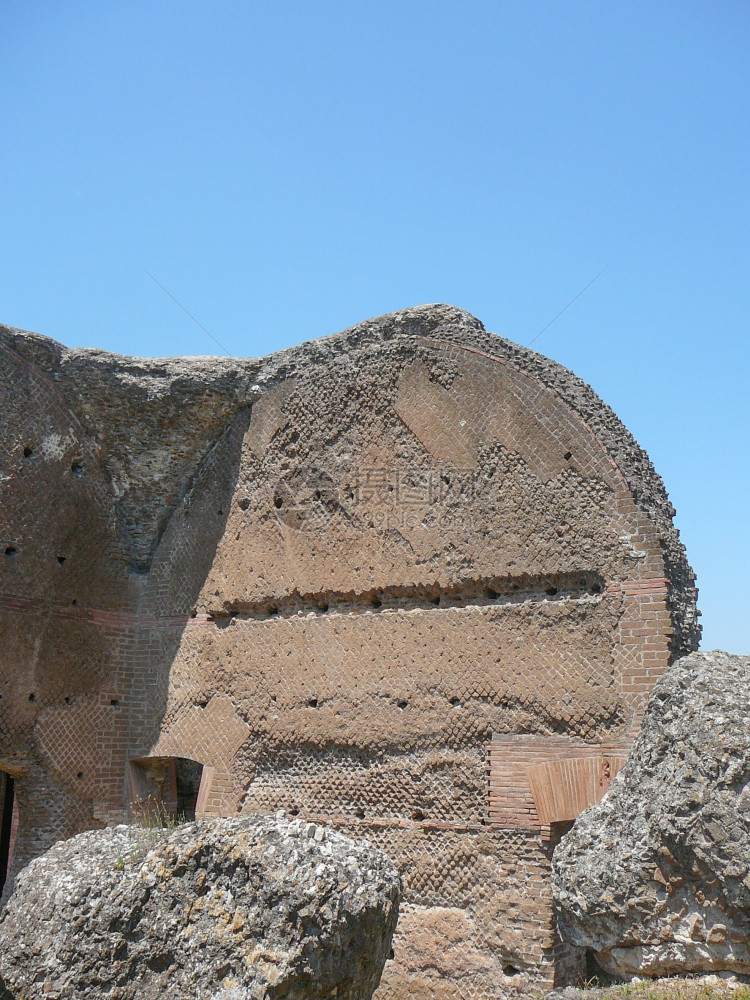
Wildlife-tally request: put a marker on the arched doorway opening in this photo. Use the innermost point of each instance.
(165, 790)
(8, 825)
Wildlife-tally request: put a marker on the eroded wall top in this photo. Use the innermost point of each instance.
(152, 423)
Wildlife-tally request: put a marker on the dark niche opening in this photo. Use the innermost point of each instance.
(188, 774)
(595, 974)
(165, 790)
(8, 824)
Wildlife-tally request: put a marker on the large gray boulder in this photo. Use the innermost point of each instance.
(656, 877)
(240, 909)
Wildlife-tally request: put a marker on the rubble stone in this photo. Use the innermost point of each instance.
(255, 908)
(655, 878)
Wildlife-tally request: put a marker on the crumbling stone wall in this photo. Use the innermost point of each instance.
(373, 581)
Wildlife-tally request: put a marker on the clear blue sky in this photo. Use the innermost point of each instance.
(287, 169)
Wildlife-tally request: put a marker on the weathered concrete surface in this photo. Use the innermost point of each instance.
(255, 908)
(656, 877)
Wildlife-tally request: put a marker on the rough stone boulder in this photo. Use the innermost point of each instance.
(239, 909)
(656, 877)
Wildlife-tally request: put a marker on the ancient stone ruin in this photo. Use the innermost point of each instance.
(249, 908)
(411, 581)
(655, 879)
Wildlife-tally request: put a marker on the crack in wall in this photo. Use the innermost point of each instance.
(490, 592)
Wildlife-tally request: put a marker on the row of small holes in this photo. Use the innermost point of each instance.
(492, 595)
(76, 468)
(402, 703)
(417, 815)
(114, 702)
(11, 551)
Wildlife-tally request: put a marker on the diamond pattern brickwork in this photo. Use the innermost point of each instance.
(370, 582)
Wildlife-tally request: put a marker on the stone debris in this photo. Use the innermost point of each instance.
(655, 878)
(256, 908)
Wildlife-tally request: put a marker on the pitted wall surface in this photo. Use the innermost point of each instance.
(370, 581)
